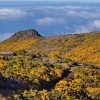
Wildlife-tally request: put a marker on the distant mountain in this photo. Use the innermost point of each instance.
(26, 34)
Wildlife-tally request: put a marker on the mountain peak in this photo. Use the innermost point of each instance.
(25, 34)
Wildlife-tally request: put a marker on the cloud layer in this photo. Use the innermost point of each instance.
(50, 21)
(88, 27)
(62, 12)
(56, 19)
(13, 13)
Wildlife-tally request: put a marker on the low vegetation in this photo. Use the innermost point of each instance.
(55, 68)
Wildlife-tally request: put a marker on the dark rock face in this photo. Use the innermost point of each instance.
(26, 34)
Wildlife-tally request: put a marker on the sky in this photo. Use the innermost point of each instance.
(49, 18)
(56, 0)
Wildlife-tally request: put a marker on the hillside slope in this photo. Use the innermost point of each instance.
(47, 68)
(78, 47)
(21, 40)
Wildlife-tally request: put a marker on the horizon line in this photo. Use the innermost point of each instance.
(47, 1)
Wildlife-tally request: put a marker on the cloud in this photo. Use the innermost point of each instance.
(71, 19)
(90, 26)
(5, 36)
(82, 29)
(13, 13)
(96, 24)
(63, 12)
(50, 21)
(86, 12)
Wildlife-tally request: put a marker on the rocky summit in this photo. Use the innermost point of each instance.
(26, 34)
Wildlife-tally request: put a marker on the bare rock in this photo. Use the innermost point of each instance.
(26, 34)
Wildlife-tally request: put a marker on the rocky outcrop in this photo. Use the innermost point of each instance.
(26, 34)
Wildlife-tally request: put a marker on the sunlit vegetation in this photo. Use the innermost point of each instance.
(89, 50)
(23, 74)
(78, 47)
(17, 45)
(27, 76)
(56, 68)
